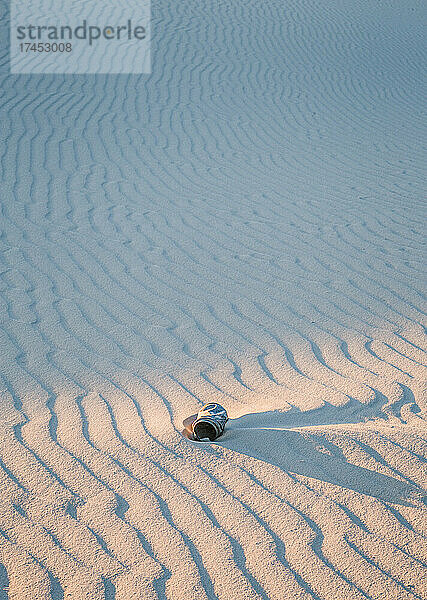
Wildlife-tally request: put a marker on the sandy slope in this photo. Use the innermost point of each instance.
(243, 226)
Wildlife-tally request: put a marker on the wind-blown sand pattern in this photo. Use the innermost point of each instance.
(243, 226)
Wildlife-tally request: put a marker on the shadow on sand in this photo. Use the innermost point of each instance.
(290, 442)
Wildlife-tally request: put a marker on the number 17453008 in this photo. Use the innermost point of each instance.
(45, 47)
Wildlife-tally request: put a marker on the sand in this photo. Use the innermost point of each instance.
(243, 226)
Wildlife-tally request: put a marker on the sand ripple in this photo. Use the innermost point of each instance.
(243, 226)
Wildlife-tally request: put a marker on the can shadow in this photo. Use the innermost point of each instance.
(306, 450)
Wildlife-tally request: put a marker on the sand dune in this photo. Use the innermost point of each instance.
(244, 226)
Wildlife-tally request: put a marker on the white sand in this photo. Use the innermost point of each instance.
(243, 226)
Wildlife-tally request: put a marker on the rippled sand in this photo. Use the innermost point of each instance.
(244, 226)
